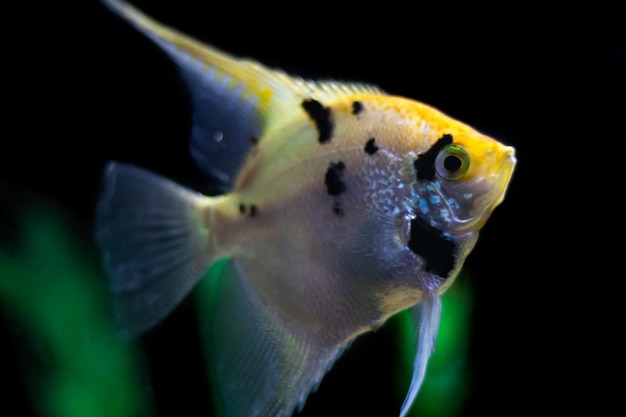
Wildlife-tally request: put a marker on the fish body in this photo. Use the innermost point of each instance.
(341, 206)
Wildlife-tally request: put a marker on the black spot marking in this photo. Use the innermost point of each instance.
(370, 147)
(337, 209)
(438, 251)
(254, 211)
(254, 140)
(357, 107)
(321, 116)
(333, 182)
(425, 163)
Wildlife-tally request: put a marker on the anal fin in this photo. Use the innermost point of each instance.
(262, 364)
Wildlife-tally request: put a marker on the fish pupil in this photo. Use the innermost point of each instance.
(452, 163)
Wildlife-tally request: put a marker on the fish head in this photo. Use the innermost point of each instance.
(460, 181)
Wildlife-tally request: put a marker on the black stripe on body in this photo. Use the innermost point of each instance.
(434, 247)
(425, 163)
(321, 116)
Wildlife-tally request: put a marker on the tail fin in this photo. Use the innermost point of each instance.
(154, 242)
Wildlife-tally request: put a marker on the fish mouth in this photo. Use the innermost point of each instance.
(489, 191)
(505, 172)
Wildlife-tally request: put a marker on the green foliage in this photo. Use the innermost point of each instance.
(53, 291)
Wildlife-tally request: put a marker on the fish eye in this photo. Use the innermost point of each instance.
(452, 162)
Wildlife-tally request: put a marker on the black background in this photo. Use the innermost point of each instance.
(81, 87)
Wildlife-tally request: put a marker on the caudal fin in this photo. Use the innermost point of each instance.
(154, 243)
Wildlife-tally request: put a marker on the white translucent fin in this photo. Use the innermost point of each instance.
(235, 101)
(425, 316)
(263, 364)
(154, 244)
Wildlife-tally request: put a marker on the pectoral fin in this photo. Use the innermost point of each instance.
(263, 364)
(425, 316)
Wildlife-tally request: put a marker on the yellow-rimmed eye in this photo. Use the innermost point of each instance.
(452, 162)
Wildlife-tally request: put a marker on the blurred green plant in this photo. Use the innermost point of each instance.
(53, 291)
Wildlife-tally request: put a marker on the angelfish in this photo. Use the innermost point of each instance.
(341, 206)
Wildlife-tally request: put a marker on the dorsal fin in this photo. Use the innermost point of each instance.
(235, 101)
